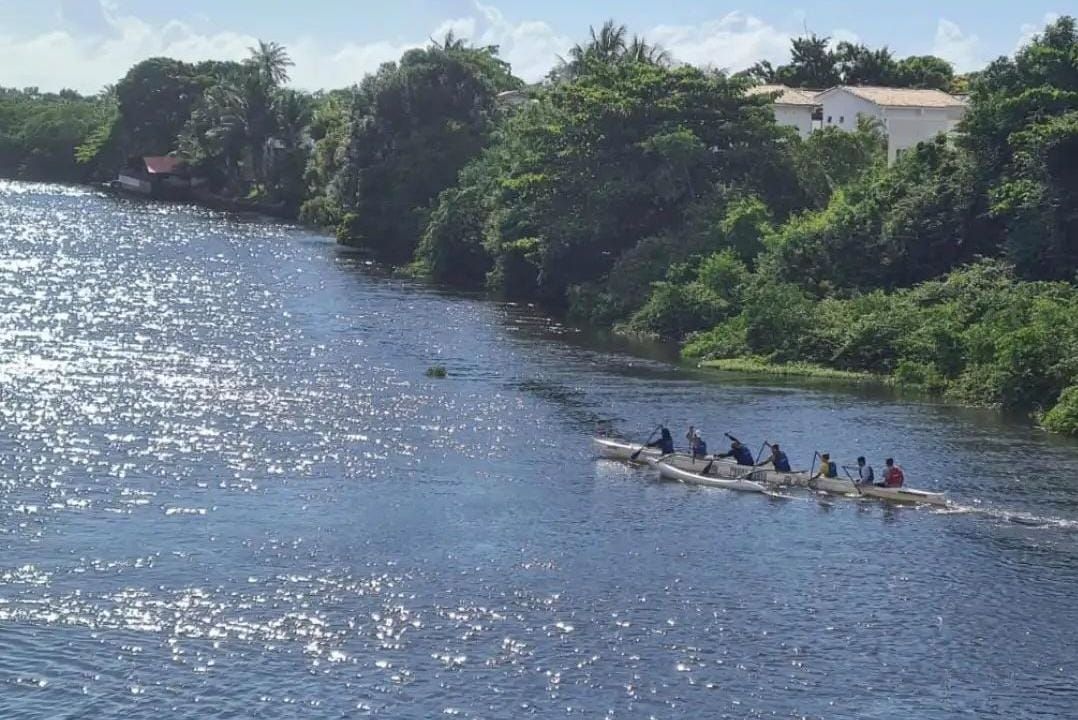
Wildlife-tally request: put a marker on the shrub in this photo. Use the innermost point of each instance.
(1063, 418)
(920, 375)
(725, 340)
(674, 311)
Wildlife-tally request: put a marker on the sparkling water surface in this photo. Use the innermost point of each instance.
(228, 490)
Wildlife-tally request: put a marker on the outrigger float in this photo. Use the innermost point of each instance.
(728, 475)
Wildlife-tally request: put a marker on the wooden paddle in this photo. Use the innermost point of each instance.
(812, 483)
(635, 455)
(856, 484)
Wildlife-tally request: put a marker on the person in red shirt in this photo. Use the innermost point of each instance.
(893, 477)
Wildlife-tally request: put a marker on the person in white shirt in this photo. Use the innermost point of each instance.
(865, 474)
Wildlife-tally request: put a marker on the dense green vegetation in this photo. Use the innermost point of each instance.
(814, 63)
(40, 131)
(658, 199)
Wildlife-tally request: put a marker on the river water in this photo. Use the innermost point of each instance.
(228, 490)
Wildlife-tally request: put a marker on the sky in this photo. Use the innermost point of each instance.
(87, 44)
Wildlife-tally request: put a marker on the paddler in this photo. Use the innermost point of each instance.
(865, 474)
(893, 477)
(738, 452)
(696, 443)
(828, 468)
(778, 458)
(665, 443)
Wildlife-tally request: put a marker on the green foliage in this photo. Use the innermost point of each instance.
(452, 249)
(330, 116)
(832, 158)
(814, 64)
(742, 230)
(728, 339)
(437, 372)
(1022, 132)
(979, 335)
(40, 133)
(609, 46)
(724, 273)
(626, 152)
(927, 72)
(1063, 418)
(891, 229)
(778, 320)
(674, 310)
(413, 127)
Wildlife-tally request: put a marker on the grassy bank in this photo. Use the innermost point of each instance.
(759, 366)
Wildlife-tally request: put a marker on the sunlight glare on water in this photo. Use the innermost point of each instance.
(229, 490)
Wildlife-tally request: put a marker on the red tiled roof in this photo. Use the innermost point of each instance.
(162, 165)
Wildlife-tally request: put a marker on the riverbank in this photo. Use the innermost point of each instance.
(759, 366)
(234, 454)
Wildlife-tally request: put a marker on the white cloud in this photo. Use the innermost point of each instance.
(961, 49)
(733, 42)
(88, 61)
(1031, 30)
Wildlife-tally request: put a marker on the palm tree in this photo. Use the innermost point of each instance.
(450, 43)
(271, 60)
(606, 46)
(639, 50)
(292, 116)
(609, 46)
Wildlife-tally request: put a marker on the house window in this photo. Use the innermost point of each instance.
(900, 152)
(841, 119)
(828, 119)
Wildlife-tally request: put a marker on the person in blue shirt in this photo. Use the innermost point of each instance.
(778, 458)
(696, 443)
(665, 443)
(740, 453)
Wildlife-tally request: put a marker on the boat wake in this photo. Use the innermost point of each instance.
(1013, 517)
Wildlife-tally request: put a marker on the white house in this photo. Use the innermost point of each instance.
(793, 106)
(908, 116)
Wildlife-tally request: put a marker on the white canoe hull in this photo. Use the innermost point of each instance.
(671, 472)
(905, 495)
(723, 468)
(838, 486)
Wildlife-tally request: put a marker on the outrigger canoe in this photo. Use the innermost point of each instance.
(723, 468)
(690, 478)
(722, 472)
(838, 486)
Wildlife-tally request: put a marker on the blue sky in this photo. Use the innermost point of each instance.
(88, 43)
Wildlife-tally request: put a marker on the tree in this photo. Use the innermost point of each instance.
(812, 64)
(926, 71)
(622, 154)
(1023, 134)
(40, 133)
(155, 99)
(610, 45)
(272, 62)
(858, 65)
(414, 125)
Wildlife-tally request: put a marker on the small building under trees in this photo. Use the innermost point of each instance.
(155, 176)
